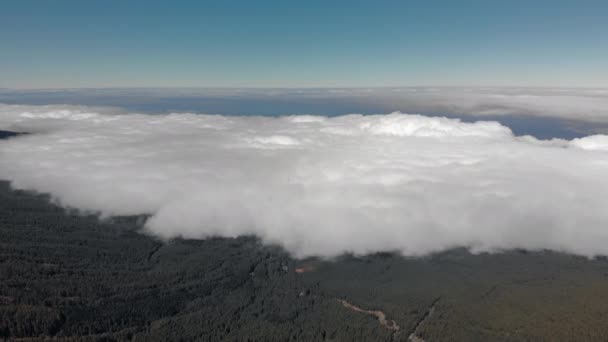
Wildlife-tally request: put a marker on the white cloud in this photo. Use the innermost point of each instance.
(319, 185)
(575, 104)
(589, 105)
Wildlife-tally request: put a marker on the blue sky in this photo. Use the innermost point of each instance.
(71, 44)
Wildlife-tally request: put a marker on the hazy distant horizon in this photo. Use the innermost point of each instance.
(542, 112)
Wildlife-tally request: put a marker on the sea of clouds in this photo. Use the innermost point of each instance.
(590, 105)
(586, 105)
(318, 185)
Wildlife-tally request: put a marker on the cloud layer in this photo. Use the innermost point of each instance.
(578, 105)
(590, 105)
(319, 185)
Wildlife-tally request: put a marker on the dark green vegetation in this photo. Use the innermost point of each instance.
(69, 275)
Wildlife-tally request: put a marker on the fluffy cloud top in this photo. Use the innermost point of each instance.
(319, 185)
